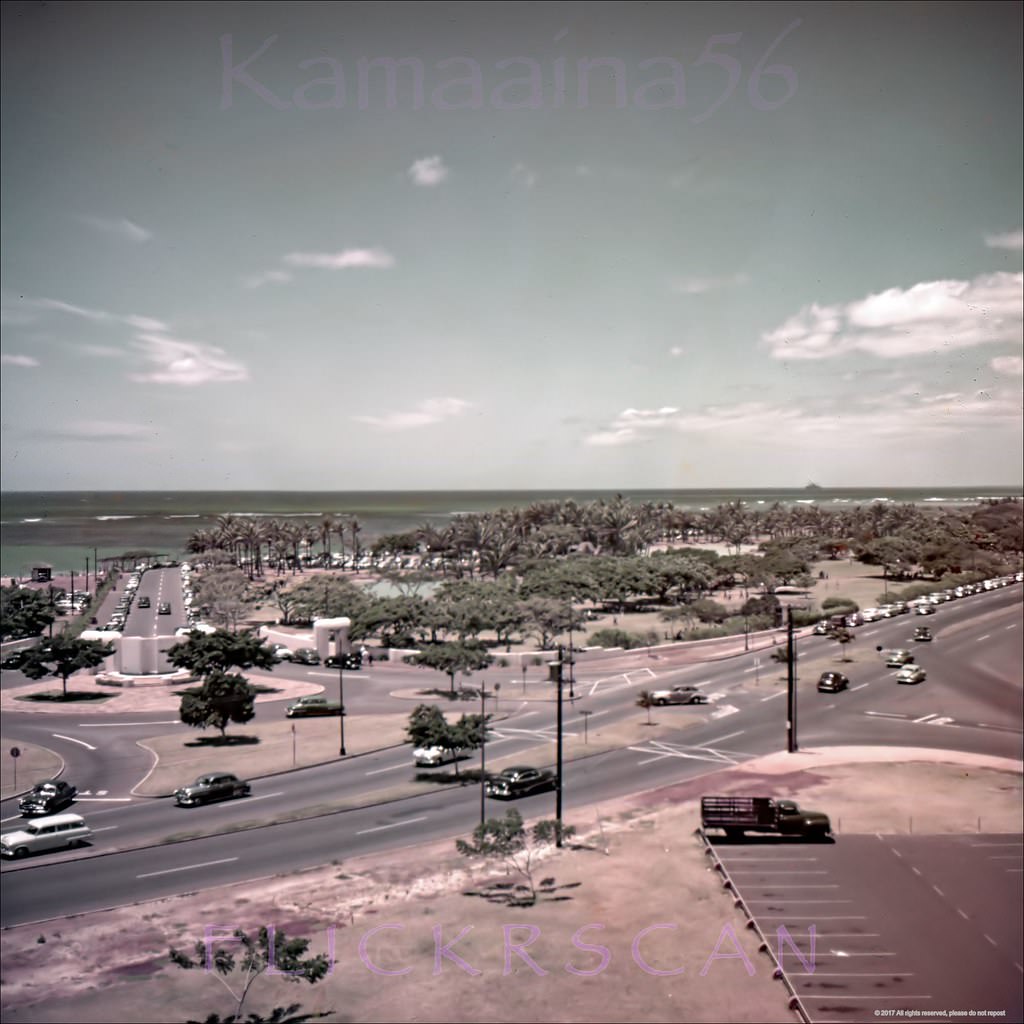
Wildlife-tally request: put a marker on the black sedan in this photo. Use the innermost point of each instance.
(47, 798)
(519, 781)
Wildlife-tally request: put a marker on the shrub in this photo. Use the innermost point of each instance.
(616, 638)
(839, 606)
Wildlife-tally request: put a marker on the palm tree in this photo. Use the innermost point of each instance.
(645, 700)
(326, 531)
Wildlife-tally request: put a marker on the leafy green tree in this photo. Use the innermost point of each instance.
(270, 952)
(223, 595)
(710, 611)
(452, 658)
(428, 727)
(204, 653)
(547, 618)
(63, 655)
(222, 698)
(23, 612)
(506, 839)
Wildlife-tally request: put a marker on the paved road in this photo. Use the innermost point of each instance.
(746, 718)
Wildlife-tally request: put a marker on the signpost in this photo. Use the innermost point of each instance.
(15, 753)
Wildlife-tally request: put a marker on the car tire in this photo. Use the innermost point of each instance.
(21, 851)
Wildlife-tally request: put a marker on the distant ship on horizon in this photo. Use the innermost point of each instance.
(813, 487)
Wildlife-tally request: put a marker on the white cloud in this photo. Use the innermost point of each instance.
(425, 413)
(428, 171)
(699, 285)
(15, 360)
(1012, 365)
(139, 323)
(1008, 240)
(376, 258)
(186, 363)
(523, 175)
(15, 317)
(676, 350)
(91, 431)
(267, 277)
(121, 226)
(895, 416)
(927, 317)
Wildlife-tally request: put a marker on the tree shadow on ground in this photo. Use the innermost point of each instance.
(222, 741)
(60, 697)
(515, 894)
(449, 778)
(459, 694)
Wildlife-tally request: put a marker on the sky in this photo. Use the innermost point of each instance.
(510, 246)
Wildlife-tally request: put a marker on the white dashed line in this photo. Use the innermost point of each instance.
(187, 867)
(397, 824)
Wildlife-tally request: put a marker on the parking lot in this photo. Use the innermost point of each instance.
(925, 925)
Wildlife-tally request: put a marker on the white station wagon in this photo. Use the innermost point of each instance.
(57, 832)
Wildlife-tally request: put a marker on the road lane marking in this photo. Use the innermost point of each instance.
(394, 768)
(71, 739)
(105, 828)
(781, 693)
(188, 867)
(939, 891)
(887, 714)
(720, 739)
(262, 796)
(397, 824)
(860, 687)
(925, 718)
(990, 939)
(962, 914)
(103, 799)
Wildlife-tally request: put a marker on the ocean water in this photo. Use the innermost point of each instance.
(61, 529)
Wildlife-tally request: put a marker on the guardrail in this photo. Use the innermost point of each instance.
(764, 946)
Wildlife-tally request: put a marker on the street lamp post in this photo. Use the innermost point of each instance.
(558, 775)
(341, 699)
(746, 633)
(497, 687)
(586, 735)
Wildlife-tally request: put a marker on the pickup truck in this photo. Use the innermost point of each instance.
(308, 706)
(739, 814)
(678, 695)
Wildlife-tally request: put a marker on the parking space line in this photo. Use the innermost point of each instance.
(807, 917)
(962, 914)
(990, 939)
(851, 974)
(915, 870)
(795, 902)
(899, 997)
(843, 953)
(939, 891)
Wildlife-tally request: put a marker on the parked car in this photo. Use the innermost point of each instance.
(926, 608)
(144, 602)
(911, 674)
(832, 682)
(14, 660)
(306, 656)
(353, 661)
(519, 781)
(821, 628)
(48, 797)
(59, 831)
(214, 786)
(922, 633)
(897, 659)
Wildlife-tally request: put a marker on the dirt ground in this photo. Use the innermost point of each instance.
(637, 864)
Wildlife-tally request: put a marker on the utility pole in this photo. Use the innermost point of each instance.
(791, 681)
(341, 699)
(483, 751)
(558, 770)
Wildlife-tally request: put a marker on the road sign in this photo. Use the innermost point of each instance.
(15, 752)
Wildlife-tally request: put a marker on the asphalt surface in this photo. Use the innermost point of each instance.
(903, 926)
